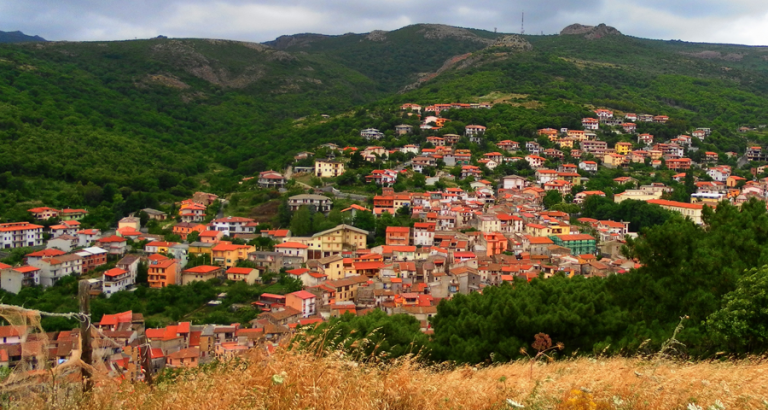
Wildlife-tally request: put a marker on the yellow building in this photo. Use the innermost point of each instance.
(200, 248)
(565, 143)
(692, 211)
(345, 289)
(536, 230)
(328, 169)
(623, 148)
(559, 229)
(333, 267)
(637, 195)
(614, 160)
(335, 240)
(227, 255)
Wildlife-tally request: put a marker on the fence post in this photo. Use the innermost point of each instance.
(83, 291)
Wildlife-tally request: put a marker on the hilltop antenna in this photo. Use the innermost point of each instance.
(494, 30)
(522, 24)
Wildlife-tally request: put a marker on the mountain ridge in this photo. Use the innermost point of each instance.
(18, 37)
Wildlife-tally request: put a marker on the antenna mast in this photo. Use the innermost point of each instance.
(522, 24)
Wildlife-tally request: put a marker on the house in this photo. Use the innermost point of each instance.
(512, 182)
(692, 211)
(720, 174)
(201, 273)
(590, 123)
(161, 272)
(509, 146)
(192, 212)
(129, 263)
(699, 133)
(44, 213)
(710, 156)
(594, 147)
(115, 245)
(184, 358)
(474, 132)
(72, 214)
(436, 141)
(333, 241)
(564, 187)
(303, 301)
(20, 234)
(550, 133)
(247, 275)
(233, 225)
(660, 119)
(86, 237)
(679, 164)
(371, 134)
(403, 129)
(419, 163)
(183, 229)
(629, 127)
(535, 161)
(579, 244)
(582, 196)
(54, 268)
(545, 175)
(533, 147)
(295, 249)
(13, 279)
(424, 233)
(623, 148)
(92, 258)
(614, 160)
(603, 114)
(470, 171)
(411, 107)
(155, 214)
(271, 180)
(129, 222)
(328, 169)
(754, 153)
(646, 139)
(116, 280)
(321, 203)
(398, 235)
(63, 242)
(227, 254)
(589, 166)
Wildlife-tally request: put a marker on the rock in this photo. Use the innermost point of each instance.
(590, 32)
(512, 41)
(377, 35)
(441, 31)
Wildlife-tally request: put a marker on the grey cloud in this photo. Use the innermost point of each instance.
(262, 20)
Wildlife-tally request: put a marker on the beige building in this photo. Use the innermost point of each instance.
(692, 211)
(333, 241)
(637, 194)
(328, 169)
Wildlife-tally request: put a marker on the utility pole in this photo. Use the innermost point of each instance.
(522, 24)
(145, 350)
(85, 334)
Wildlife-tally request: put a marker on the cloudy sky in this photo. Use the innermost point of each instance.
(720, 21)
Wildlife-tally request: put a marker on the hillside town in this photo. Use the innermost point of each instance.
(465, 231)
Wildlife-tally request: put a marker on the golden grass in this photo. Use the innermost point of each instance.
(289, 380)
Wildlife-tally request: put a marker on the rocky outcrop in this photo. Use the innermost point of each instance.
(513, 41)
(590, 32)
(441, 31)
(377, 35)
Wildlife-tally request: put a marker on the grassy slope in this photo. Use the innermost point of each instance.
(338, 384)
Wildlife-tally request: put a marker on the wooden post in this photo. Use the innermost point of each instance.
(83, 293)
(146, 355)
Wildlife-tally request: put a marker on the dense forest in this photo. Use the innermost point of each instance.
(119, 126)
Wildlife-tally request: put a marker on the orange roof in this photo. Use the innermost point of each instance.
(202, 269)
(46, 253)
(295, 245)
(663, 202)
(115, 272)
(239, 271)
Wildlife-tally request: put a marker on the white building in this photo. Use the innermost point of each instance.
(303, 301)
(116, 280)
(590, 166)
(512, 182)
(231, 225)
(320, 202)
(20, 234)
(371, 133)
(13, 279)
(54, 268)
(424, 233)
(87, 237)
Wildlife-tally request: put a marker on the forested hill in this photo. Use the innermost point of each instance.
(139, 122)
(17, 37)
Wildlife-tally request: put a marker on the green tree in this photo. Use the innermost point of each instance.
(364, 220)
(742, 321)
(301, 222)
(551, 198)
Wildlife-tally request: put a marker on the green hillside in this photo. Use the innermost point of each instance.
(116, 126)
